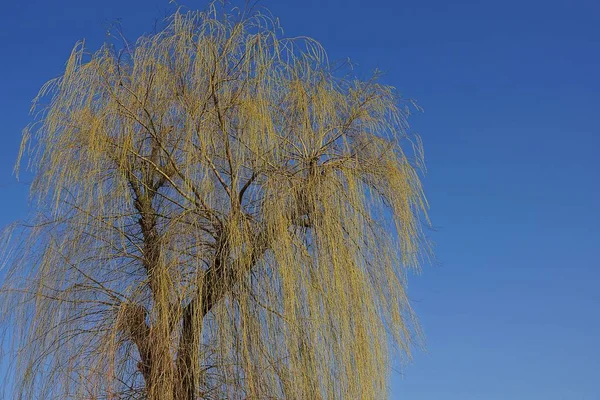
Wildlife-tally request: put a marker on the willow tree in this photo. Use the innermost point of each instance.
(221, 215)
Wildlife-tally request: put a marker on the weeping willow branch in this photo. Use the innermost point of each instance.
(221, 215)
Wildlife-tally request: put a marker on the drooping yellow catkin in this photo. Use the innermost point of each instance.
(221, 216)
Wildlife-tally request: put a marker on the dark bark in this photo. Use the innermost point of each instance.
(216, 282)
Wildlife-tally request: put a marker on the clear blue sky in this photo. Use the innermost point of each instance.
(511, 126)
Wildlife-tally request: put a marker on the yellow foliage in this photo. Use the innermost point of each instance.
(221, 216)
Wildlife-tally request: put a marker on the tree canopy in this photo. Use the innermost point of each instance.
(220, 214)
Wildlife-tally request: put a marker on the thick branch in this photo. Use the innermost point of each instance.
(152, 347)
(214, 285)
(139, 333)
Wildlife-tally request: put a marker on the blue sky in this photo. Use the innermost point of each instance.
(511, 129)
